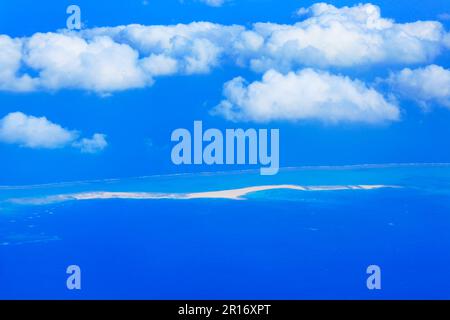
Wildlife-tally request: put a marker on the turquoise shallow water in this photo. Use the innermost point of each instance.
(277, 244)
(433, 177)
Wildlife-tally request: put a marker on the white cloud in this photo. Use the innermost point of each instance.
(33, 132)
(10, 62)
(94, 145)
(213, 3)
(305, 95)
(160, 64)
(69, 61)
(196, 47)
(110, 59)
(40, 133)
(346, 37)
(426, 85)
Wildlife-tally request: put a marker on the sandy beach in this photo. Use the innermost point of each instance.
(239, 194)
(230, 194)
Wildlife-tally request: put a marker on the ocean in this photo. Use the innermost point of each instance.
(155, 238)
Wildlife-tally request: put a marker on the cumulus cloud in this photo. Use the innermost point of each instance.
(196, 47)
(69, 61)
(96, 144)
(33, 132)
(10, 62)
(160, 65)
(40, 133)
(345, 37)
(110, 59)
(426, 85)
(305, 95)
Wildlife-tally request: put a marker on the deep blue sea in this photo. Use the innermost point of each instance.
(279, 244)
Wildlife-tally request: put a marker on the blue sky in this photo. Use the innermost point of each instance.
(387, 100)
